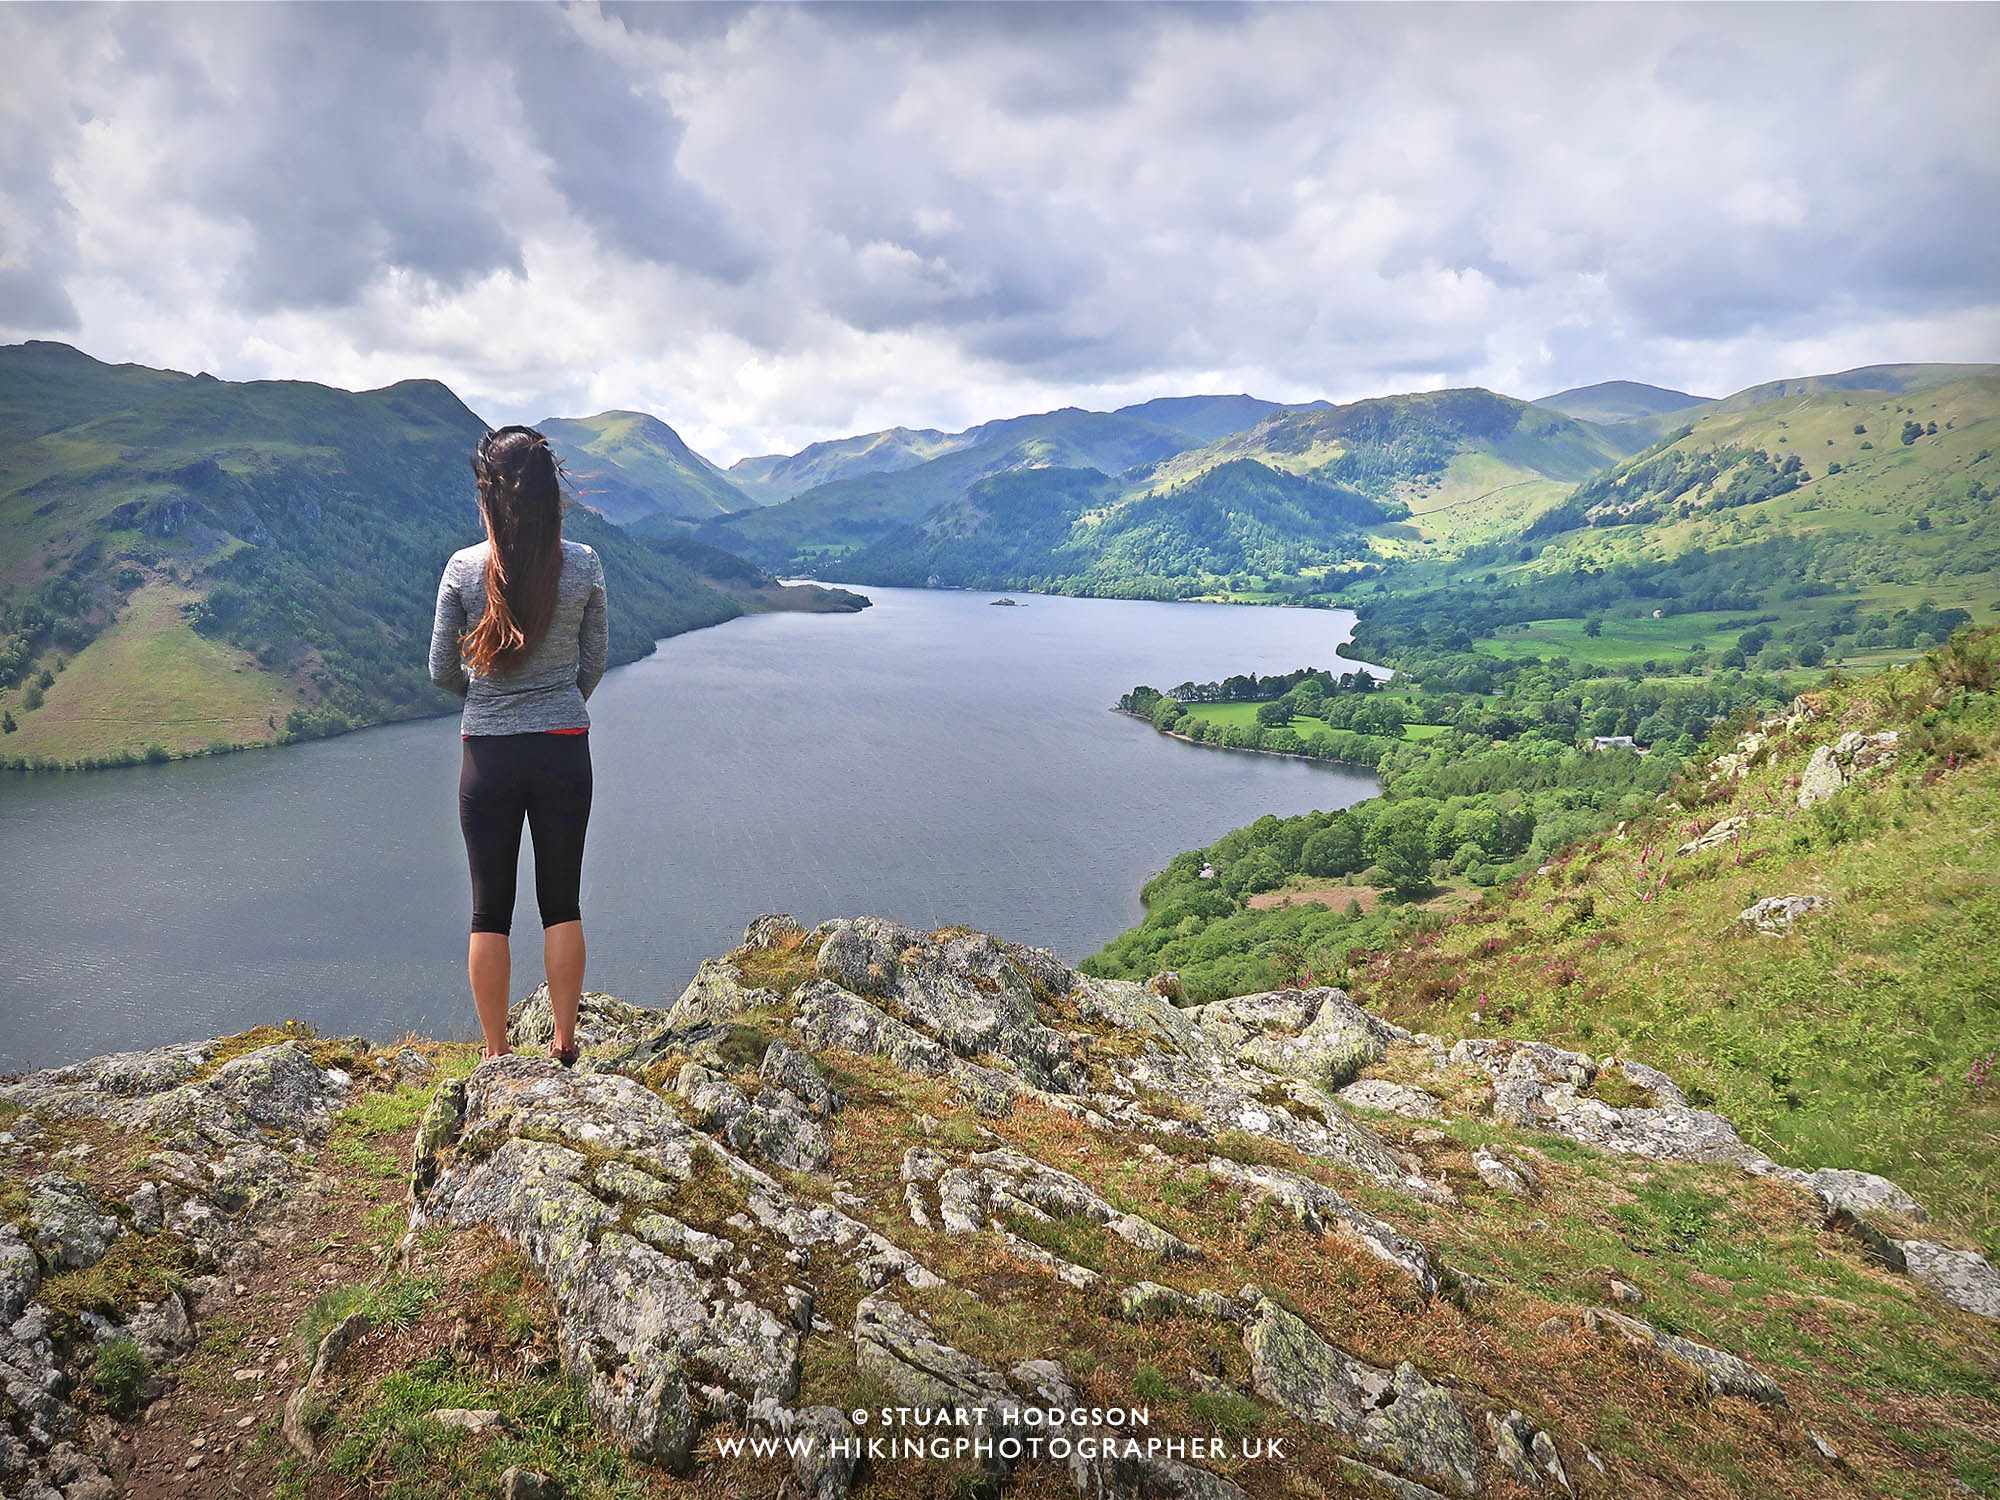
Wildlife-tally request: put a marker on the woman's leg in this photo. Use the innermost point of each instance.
(558, 816)
(490, 809)
(489, 964)
(562, 959)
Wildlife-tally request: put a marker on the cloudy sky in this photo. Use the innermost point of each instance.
(770, 224)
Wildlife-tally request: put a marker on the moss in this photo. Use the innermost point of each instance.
(136, 1268)
(781, 968)
(227, 1049)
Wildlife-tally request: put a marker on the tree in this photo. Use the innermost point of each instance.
(1275, 713)
(7, 724)
(1333, 851)
(1401, 845)
(1594, 626)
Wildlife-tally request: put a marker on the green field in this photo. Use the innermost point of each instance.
(1228, 714)
(151, 679)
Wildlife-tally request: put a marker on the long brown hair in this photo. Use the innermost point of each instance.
(520, 498)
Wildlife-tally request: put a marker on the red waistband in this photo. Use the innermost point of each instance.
(545, 731)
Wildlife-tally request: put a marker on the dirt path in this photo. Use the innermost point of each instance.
(218, 1431)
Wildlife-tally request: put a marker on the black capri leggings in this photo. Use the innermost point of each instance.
(547, 778)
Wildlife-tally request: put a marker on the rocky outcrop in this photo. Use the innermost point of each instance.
(1834, 766)
(1964, 1278)
(1395, 1415)
(1721, 1373)
(1547, 1088)
(224, 1147)
(726, 1196)
(1774, 915)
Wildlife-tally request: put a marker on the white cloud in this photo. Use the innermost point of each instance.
(771, 225)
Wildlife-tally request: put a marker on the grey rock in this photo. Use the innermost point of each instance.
(1393, 1098)
(518, 1483)
(1834, 766)
(1513, 1436)
(790, 1069)
(1963, 1278)
(603, 1022)
(162, 1329)
(465, 1419)
(411, 1067)
(20, 1273)
(1499, 1175)
(653, 1322)
(1862, 1192)
(902, 1349)
(773, 930)
(1721, 833)
(66, 1222)
(1774, 915)
(1316, 1034)
(1398, 1416)
(1724, 1374)
(776, 1129)
(717, 993)
(1323, 1211)
(147, 1215)
(1145, 1301)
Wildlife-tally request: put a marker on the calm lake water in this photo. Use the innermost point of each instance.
(934, 759)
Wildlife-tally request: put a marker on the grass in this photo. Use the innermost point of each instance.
(148, 680)
(1850, 1042)
(1227, 714)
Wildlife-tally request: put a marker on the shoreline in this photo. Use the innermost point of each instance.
(1318, 760)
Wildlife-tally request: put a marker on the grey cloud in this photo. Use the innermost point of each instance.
(33, 301)
(1045, 198)
(332, 161)
(613, 151)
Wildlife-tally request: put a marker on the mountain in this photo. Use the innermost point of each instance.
(1302, 491)
(1076, 529)
(1869, 487)
(635, 467)
(1600, 1188)
(1613, 401)
(833, 518)
(779, 476)
(1206, 418)
(189, 563)
(1642, 431)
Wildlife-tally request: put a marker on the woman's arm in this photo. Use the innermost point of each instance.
(594, 640)
(447, 666)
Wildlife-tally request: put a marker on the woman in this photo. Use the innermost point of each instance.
(534, 653)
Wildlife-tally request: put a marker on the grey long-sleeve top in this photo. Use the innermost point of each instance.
(547, 690)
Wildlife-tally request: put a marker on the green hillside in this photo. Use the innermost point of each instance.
(1643, 431)
(1287, 504)
(1877, 494)
(1077, 529)
(633, 466)
(189, 563)
(839, 516)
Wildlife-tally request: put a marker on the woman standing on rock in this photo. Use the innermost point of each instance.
(535, 651)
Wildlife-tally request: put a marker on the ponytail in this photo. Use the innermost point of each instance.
(520, 499)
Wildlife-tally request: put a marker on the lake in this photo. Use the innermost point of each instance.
(934, 759)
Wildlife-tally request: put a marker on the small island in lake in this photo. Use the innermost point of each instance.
(1010, 603)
